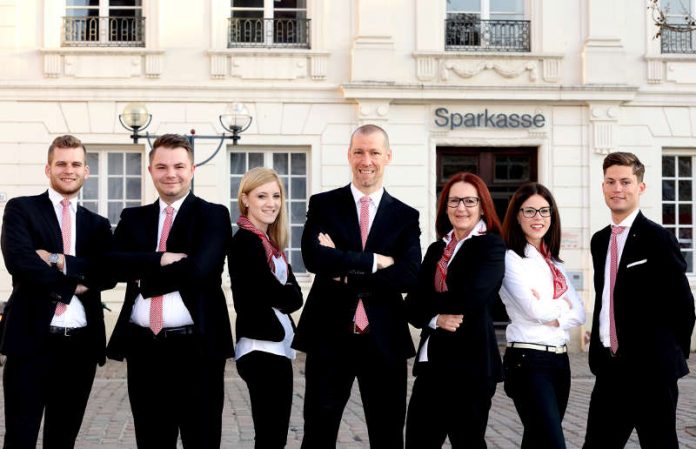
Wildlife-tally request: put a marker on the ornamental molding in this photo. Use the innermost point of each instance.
(448, 67)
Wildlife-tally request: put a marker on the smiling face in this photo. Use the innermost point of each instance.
(172, 171)
(536, 227)
(622, 191)
(67, 170)
(263, 205)
(368, 156)
(463, 218)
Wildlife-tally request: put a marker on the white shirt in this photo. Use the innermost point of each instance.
(74, 315)
(375, 198)
(174, 311)
(479, 228)
(281, 348)
(527, 313)
(621, 242)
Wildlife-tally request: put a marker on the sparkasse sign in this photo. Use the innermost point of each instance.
(446, 119)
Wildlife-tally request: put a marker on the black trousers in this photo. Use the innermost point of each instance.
(329, 379)
(444, 403)
(623, 398)
(269, 379)
(56, 383)
(174, 388)
(539, 384)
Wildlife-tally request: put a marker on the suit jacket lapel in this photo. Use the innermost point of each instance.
(180, 221)
(600, 256)
(631, 251)
(351, 219)
(48, 214)
(151, 225)
(381, 223)
(80, 229)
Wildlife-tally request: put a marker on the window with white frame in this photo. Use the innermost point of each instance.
(678, 37)
(678, 174)
(486, 25)
(268, 23)
(115, 182)
(104, 23)
(291, 166)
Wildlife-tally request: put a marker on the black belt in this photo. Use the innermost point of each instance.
(67, 331)
(166, 332)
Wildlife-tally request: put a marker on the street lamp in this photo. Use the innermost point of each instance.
(134, 118)
(236, 119)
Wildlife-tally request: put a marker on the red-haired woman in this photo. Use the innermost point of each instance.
(458, 363)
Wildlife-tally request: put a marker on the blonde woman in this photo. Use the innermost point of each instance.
(264, 292)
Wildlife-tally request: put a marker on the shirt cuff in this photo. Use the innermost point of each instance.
(374, 263)
(433, 322)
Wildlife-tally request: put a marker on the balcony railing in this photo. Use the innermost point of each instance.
(286, 33)
(677, 40)
(103, 31)
(466, 32)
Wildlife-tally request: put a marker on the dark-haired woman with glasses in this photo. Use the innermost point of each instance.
(543, 306)
(458, 363)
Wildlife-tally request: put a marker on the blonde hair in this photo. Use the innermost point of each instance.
(278, 230)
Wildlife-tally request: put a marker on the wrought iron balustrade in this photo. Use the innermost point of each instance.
(103, 31)
(678, 40)
(466, 32)
(287, 33)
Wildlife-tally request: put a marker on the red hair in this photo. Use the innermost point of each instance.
(490, 217)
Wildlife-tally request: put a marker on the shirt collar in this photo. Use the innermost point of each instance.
(479, 228)
(375, 196)
(56, 198)
(176, 204)
(628, 221)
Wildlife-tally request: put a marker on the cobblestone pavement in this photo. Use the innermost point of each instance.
(108, 423)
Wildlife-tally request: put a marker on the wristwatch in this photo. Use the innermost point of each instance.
(53, 259)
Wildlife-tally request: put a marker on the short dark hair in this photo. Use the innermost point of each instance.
(490, 217)
(368, 129)
(626, 159)
(512, 231)
(66, 141)
(172, 141)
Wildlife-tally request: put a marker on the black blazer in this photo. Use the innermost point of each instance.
(327, 318)
(256, 291)
(474, 277)
(30, 223)
(653, 304)
(202, 230)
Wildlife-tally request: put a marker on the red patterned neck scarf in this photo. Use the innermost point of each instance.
(270, 248)
(560, 285)
(441, 268)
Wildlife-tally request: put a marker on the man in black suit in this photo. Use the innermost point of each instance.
(174, 327)
(53, 324)
(642, 327)
(354, 322)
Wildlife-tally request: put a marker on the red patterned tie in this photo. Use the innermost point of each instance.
(441, 269)
(156, 319)
(65, 228)
(613, 268)
(361, 321)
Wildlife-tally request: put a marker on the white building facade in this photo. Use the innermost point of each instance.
(515, 90)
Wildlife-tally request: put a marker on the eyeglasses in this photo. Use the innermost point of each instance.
(530, 212)
(469, 201)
